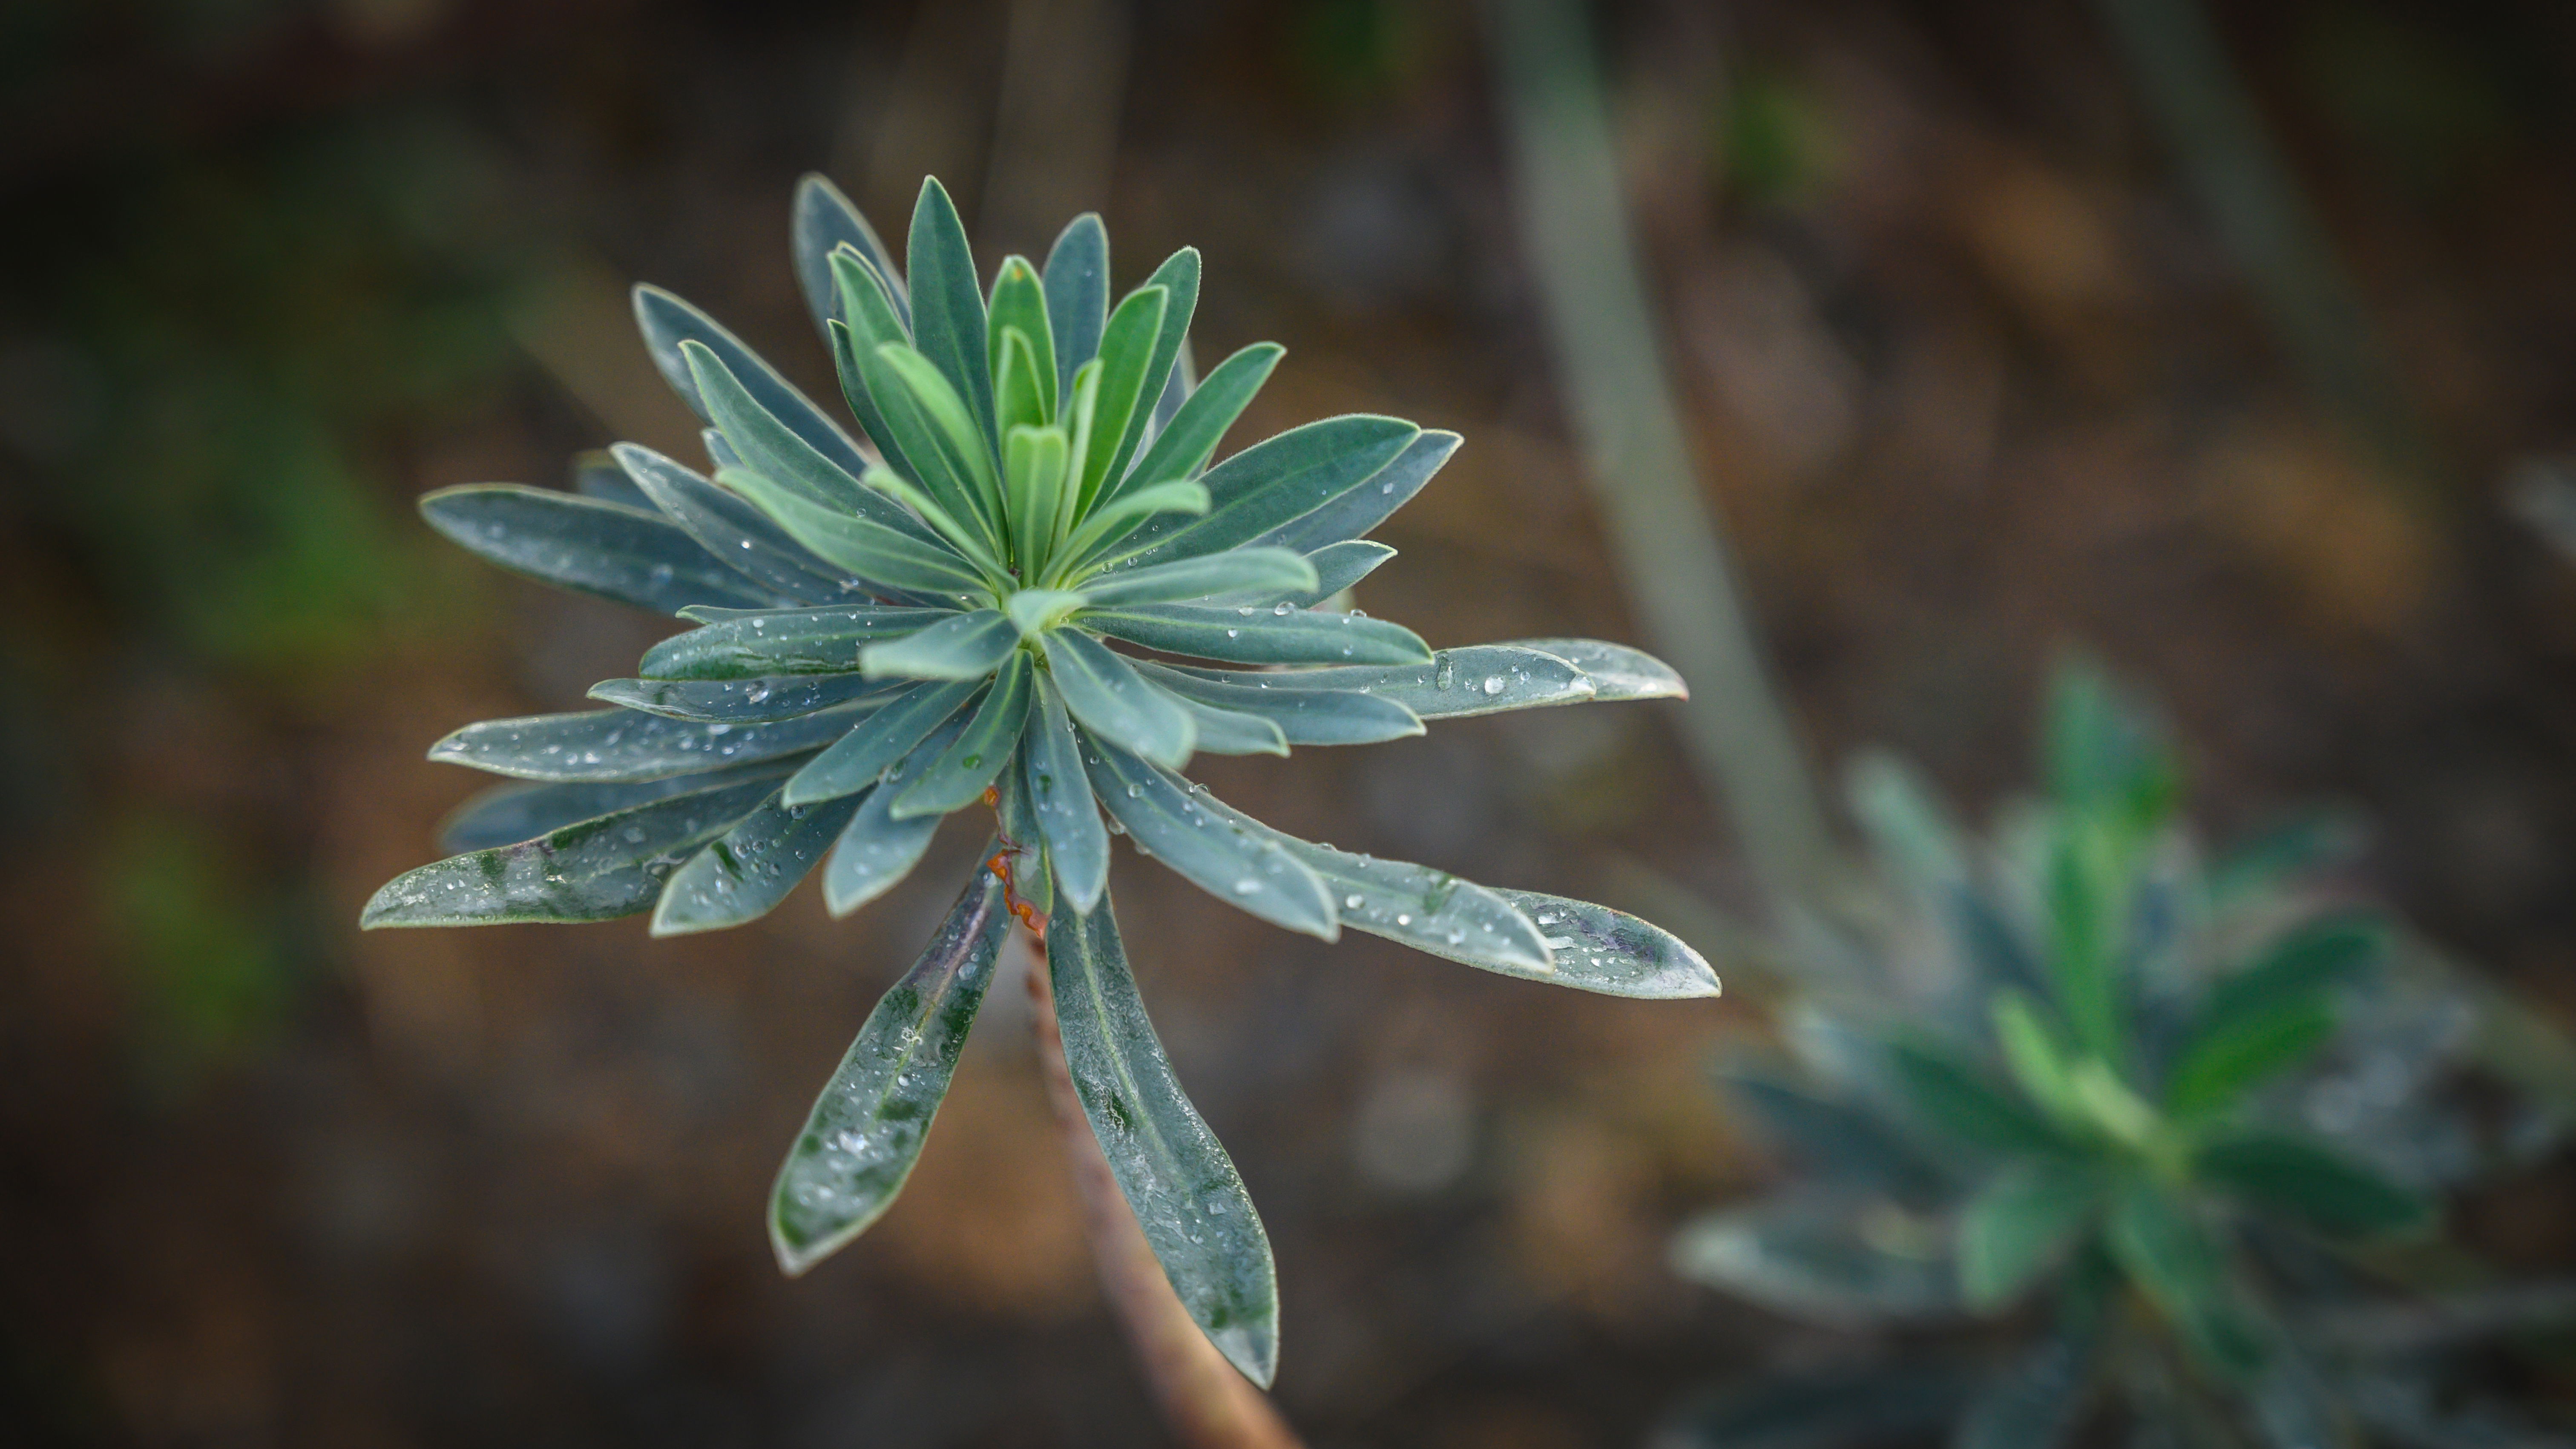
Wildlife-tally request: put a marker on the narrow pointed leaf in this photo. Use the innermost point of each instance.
(1034, 611)
(992, 733)
(1278, 481)
(1337, 567)
(509, 814)
(621, 744)
(1239, 570)
(1478, 679)
(859, 757)
(671, 327)
(735, 533)
(1812, 1257)
(1224, 732)
(1104, 692)
(2025, 1222)
(1178, 279)
(1060, 794)
(1230, 856)
(1126, 350)
(746, 873)
(1610, 952)
(744, 701)
(782, 641)
(1353, 511)
(1019, 304)
(948, 321)
(1182, 449)
(1304, 716)
(1961, 1102)
(826, 222)
(605, 550)
(874, 552)
(869, 319)
(1184, 380)
(596, 870)
(595, 475)
(2220, 1066)
(1105, 525)
(1019, 398)
(963, 447)
(963, 646)
(1077, 296)
(1033, 477)
(1617, 672)
(1244, 634)
(878, 850)
(2309, 1183)
(867, 1127)
(2170, 1254)
(776, 453)
(1184, 1190)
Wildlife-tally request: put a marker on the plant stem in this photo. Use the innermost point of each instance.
(1204, 1401)
(1662, 533)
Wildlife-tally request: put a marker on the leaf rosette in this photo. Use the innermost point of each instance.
(1017, 575)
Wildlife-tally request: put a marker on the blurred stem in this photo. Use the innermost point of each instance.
(1662, 532)
(1204, 1401)
(2241, 180)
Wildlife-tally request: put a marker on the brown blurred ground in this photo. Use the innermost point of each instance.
(1970, 379)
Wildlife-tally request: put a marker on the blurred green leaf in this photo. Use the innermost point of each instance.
(2309, 1183)
(1826, 1260)
(2160, 1241)
(1960, 1101)
(2022, 1224)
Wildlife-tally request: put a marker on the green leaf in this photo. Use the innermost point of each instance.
(874, 552)
(1183, 448)
(963, 646)
(782, 641)
(1035, 611)
(955, 434)
(854, 763)
(867, 1127)
(1110, 522)
(1239, 570)
(1033, 477)
(1912, 835)
(1126, 350)
(2038, 1061)
(743, 701)
(736, 534)
(1019, 304)
(2309, 1183)
(508, 814)
(1618, 673)
(1304, 716)
(973, 539)
(1479, 679)
(1019, 397)
(1111, 699)
(878, 850)
(1368, 502)
(1185, 1192)
(1247, 635)
(825, 223)
(2317, 958)
(1077, 296)
(869, 320)
(2104, 757)
(1818, 1259)
(2087, 904)
(1962, 1102)
(744, 875)
(1276, 481)
(772, 449)
(671, 327)
(1843, 1142)
(1178, 278)
(2021, 1225)
(1183, 381)
(2244, 1049)
(596, 870)
(959, 775)
(620, 744)
(2038, 1400)
(1337, 567)
(1238, 860)
(1077, 842)
(2170, 1255)
(948, 322)
(596, 476)
(1224, 732)
(1610, 952)
(601, 549)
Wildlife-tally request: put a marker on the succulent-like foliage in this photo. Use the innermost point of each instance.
(2075, 1077)
(899, 622)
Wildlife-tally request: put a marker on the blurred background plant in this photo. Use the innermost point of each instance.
(1955, 349)
(2174, 1130)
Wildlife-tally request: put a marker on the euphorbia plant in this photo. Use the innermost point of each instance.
(903, 621)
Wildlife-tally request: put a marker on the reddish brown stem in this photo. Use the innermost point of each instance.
(1207, 1404)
